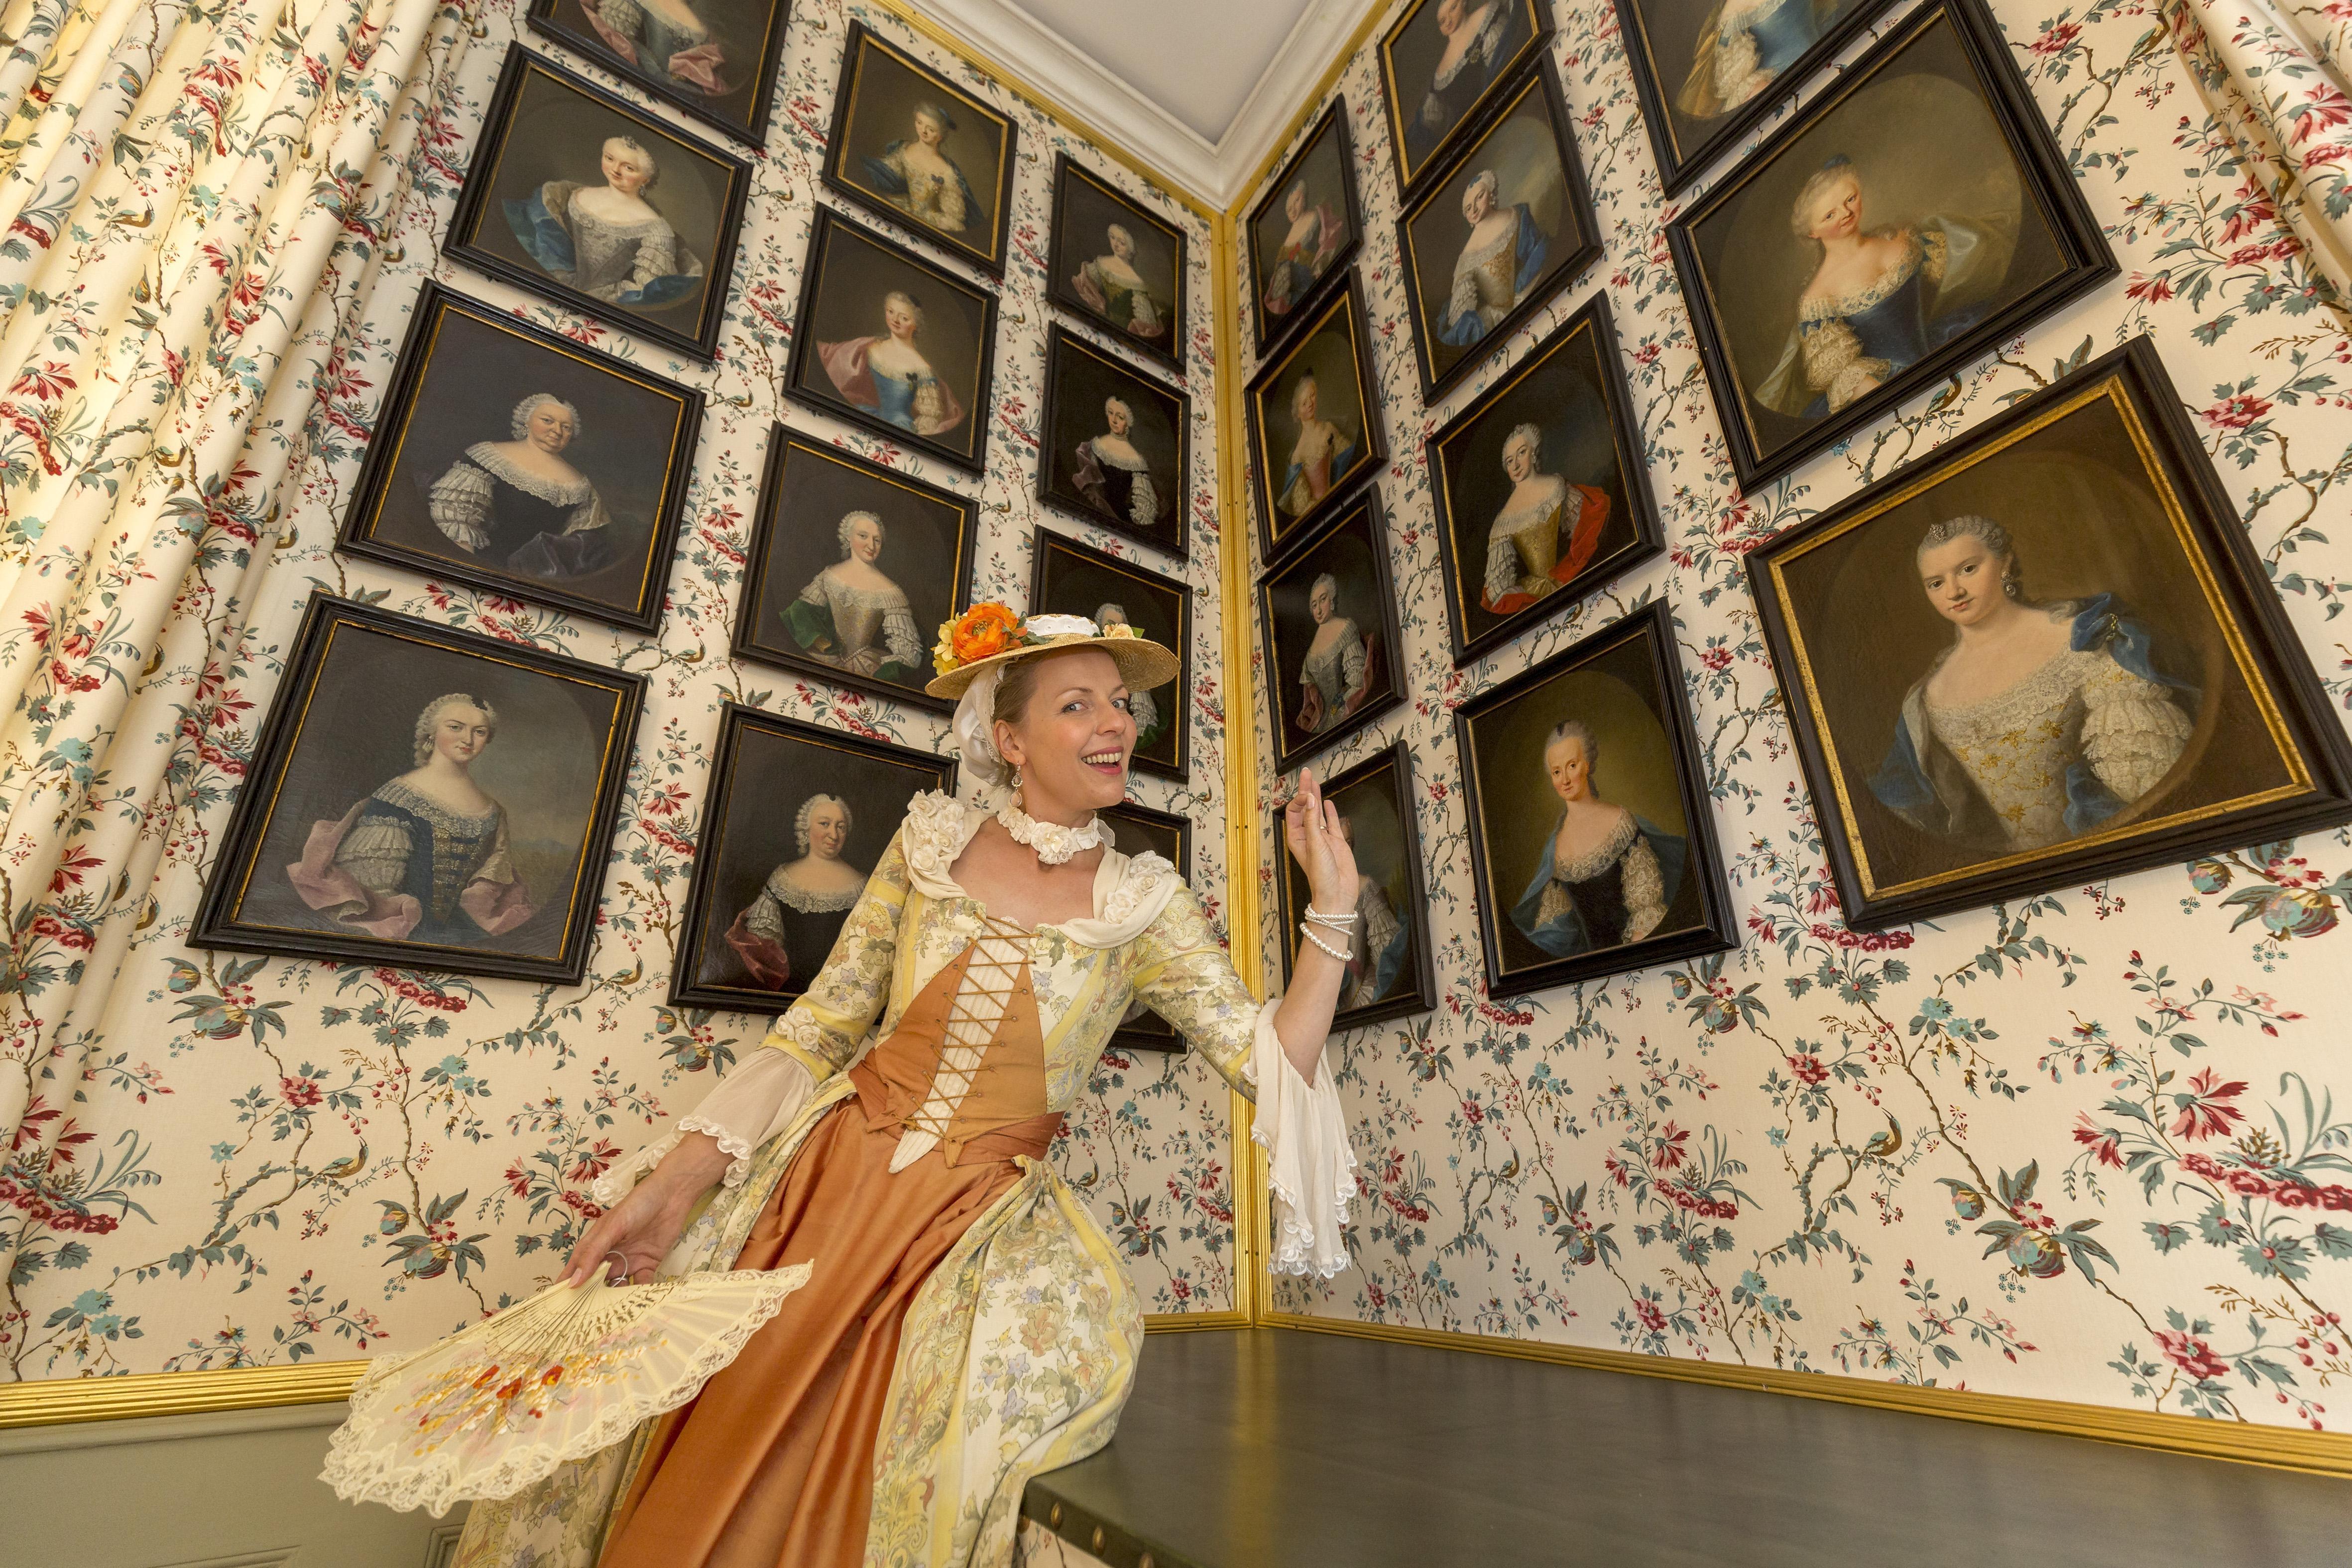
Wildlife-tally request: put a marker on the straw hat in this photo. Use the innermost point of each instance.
(989, 634)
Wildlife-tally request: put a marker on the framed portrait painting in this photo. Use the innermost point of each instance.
(1438, 64)
(1389, 971)
(1118, 445)
(853, 569)
(512, 460)
(1709, 73)
(910, 146)
(1486, 243)
(2044, 655)
(427, 799)
(714, 59)
(1138, 830)
(1904, 222)
(579, 195)
(891, 342)
(1303, 230)
(1315, 421)
(793, 823)
(1117, 263)
(1066, 578)
(1542, 494)
(1329, 622)
(1590, 837)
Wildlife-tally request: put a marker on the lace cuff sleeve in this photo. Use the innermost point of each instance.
(748, 1107)
(1310, 1168)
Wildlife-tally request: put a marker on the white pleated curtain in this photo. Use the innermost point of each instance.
(192, 201)
(2274, 76)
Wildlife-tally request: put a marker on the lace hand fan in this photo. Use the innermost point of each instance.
(494, 1407)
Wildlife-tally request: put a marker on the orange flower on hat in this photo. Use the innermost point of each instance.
(986, 630)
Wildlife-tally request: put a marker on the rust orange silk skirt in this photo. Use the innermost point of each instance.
(771, 1466)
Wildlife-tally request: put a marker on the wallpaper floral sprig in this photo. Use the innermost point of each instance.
(224, 1160)
(2082, 1146)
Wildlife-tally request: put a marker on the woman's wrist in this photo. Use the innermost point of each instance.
(695, 1165)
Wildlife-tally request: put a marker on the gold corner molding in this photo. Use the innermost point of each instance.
(56, 1401)
(2278, 1448)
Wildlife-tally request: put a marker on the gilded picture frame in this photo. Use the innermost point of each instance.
(1136, 480)
(1316, 422)
(1435, 83)
(1303, 230)
(884, 90)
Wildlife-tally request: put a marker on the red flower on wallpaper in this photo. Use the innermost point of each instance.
(2205, 1112)
(2190, 1354)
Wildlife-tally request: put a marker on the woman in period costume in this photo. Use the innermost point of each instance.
(1607, 876)
(967, 1323)
(853, 616)
(426, 858)
(916, 175)
(1499, 263)
(889, 376)
(518, 505)
(790, 926)
(1337, 672)
(1321, 456)
(2040, 721)
(1478, 41)
(1743, 48)
(1142, 704)
(1113, 475)
(608, 240)
(1545, 533)
(1111, 285)
(667, 39)
(1376, 948)
(1879, 299)
(1313, 239)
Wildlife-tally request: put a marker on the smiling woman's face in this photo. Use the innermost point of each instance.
(1321, 603)
(866, 540)
(624, 170)
(549, 428)
(828, 826)
(1837, 210)
(1519, 459)
(929, 130)
(459, 733)
(1073, 742)
(903, 319)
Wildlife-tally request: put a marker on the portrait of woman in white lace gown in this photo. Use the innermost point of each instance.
(1330, 629)
(519, 505)
(1117, 443)
(608, 240)
(1115, 260)
(919, 149)
(851, 616)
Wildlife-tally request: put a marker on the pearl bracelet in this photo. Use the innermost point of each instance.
(1338, 922)
(1305, 932)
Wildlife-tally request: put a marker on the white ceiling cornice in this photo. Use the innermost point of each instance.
(1000, 31)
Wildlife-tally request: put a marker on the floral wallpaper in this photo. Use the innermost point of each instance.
(2084, 1147)
(262, 1161)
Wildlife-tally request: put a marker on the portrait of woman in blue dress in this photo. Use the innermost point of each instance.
(1743, 48)
(1879, 299)
(1500, 262)
(608, 241)
(886, 375)
(917, 176)
(1607, 876)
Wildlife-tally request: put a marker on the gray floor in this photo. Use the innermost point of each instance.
(1273, 1448)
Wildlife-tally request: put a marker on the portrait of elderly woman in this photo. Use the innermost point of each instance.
(1331, 635)
(790, 927)
(1303, 228)
(716, 60)
(1118, 444)
(912, 146)
(427, 798)
(852, 567)
(1912, 217)
(1508, 224)
(1440, 61)
(1315, 418)
(2074, 664)
(496, 465)
(581, 194)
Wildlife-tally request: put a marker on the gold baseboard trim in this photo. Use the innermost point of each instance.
(56, 1401)
(1189, 1322)
(2313, 1453)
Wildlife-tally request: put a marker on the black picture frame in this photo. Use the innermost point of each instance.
(1139, 826)
(2080, 257)
(2254, 663)
(1454, 449)
(1071, 358)
(380, 640)
(718, 880)
(1076, 187)
(1698, 918)
(1388, 773)
(1326, 142)
(863, 48)
(851, 477)
(523, 73)
(553, 20)
(1067, 578)
(1529, 20)
(1354, 540)
(379, 489)
(1540, 83)
(1340, 321)
(1682, 160)
(806, 382)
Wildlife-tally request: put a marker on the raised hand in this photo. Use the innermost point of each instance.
(1311, 830)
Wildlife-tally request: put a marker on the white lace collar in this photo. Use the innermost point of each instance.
(1055, 845)
(1129, 890)
(483, 455)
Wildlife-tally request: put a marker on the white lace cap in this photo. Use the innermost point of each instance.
(987, 776)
